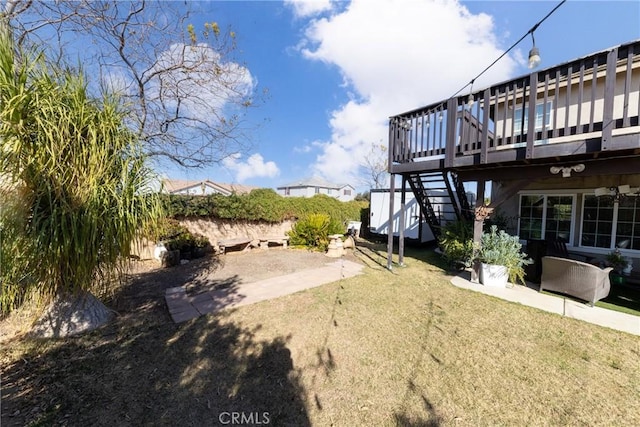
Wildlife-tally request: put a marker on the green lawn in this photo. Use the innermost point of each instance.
(625, 299)
(381, 349)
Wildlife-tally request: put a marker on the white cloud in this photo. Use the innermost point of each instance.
(304, 149)
(115, 81)
(308, 148)
(209, 85)
(306, 8)
(253, 167)
(395, 56)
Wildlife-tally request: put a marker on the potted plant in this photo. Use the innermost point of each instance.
(621, 267)
(502, 259)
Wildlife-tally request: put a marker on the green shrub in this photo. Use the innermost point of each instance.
(176, 236)
(17, 256)
(261, 205)
(456, 242)
(314, 230)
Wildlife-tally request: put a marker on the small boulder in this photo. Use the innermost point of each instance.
(170, 258)
(71, 315)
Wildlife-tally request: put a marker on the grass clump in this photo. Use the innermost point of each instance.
(75, 179)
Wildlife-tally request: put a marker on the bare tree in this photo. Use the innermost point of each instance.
(187, 94)
(375, 166)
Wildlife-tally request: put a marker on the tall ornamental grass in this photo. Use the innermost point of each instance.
(73, 181)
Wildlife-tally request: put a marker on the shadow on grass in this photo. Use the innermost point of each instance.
(143, 369)
(144, 292)
(431, 416)
(372, 252)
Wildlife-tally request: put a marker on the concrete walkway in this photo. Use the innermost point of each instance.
(183, 307)
(556, 304)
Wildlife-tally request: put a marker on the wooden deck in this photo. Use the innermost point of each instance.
(585, 109)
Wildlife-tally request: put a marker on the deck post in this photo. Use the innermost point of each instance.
(450, 141)
(531, 114)
(478, 222)
(609, 94)
(392, 196)
(401, 225)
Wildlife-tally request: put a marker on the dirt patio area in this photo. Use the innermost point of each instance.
(145, 288)
(141, 297)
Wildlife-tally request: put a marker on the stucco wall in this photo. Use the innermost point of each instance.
(216, 230)
(574, 185)
(560, 110)
(571, 185)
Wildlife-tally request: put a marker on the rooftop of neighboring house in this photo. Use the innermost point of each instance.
(313, 182)
(177, 185)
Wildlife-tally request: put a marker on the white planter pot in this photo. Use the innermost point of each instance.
(158, 251)
(494, 275)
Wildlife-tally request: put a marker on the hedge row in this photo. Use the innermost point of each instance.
(261, 205)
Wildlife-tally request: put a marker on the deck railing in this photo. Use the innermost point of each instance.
(595, 99)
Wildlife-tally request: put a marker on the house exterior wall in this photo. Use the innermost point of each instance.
(346, 193)
(303, 191)
(579, 189)
(312, 191)
(196, 190)
(502, 127)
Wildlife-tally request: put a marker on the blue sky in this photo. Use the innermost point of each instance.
(335, 71)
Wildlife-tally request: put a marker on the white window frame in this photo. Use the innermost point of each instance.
(546, 194)
(517, 117)
(614, 229)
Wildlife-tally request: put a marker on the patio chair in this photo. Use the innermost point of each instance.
(558, 248)
(578, 279)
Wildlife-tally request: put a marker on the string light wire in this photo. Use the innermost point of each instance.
(535, 27)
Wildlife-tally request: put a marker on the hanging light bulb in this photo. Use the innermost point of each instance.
(470, 98)
(534, 55)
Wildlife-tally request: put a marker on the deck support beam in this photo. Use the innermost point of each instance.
(392, 196)
(478, 222)
(402, 222)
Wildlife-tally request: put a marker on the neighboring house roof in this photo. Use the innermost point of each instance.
(177, 185)
(313, 182)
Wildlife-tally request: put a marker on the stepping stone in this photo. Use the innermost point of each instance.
(182, 316)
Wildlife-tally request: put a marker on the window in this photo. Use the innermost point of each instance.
(546, 217)
(518, 117)
(317, 190)
(287, 191)
(607, 223)
(628, 223)
(347, 192)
